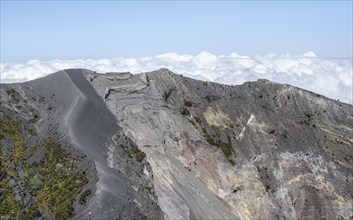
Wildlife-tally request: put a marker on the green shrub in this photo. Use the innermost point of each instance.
(59, 167)
(231, 162)
(210, 98)
(83, 197)
(36, 182)
(197, 119)
(140, 156)
(227, 149)
(308, 115)
(210, 140)
(11, 183)
(148, 188)
(185, 111)
(167, 94)
(127, 152)
(187, 103)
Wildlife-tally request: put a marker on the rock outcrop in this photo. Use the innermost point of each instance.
(159, 145)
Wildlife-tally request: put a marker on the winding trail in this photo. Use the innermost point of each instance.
(90, 124)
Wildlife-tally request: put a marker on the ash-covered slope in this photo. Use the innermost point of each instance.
(256, 151)
(65, 110)
(159, 145)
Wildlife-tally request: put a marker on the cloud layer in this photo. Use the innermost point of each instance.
(331, 77)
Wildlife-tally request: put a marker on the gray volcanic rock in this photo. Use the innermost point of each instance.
(66, 104)
(256, 151)
(159, 145)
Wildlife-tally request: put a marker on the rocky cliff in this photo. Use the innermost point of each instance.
(159, 145)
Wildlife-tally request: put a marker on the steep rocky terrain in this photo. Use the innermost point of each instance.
(64, 110)
(158, 145)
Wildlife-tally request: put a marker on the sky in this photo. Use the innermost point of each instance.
(47, 30)
(307, 44)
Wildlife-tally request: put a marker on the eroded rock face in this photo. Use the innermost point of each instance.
(256, 151)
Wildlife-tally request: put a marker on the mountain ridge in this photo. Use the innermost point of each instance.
(184, 148)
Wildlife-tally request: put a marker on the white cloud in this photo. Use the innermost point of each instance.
(331, 77)
(310, 54)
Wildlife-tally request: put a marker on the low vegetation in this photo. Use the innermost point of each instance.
(197, 119)
(134, 152)
(226, 147)
(167, 94)
(50, 189)
(59, 188)
(185, 111)
(211, 98)
(83, 197)
(187, 103)
(9, 205)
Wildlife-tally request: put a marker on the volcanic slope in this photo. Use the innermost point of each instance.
(66, 103)
(260, 150)
(159, 145)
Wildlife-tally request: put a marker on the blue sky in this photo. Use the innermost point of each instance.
(106, 29)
